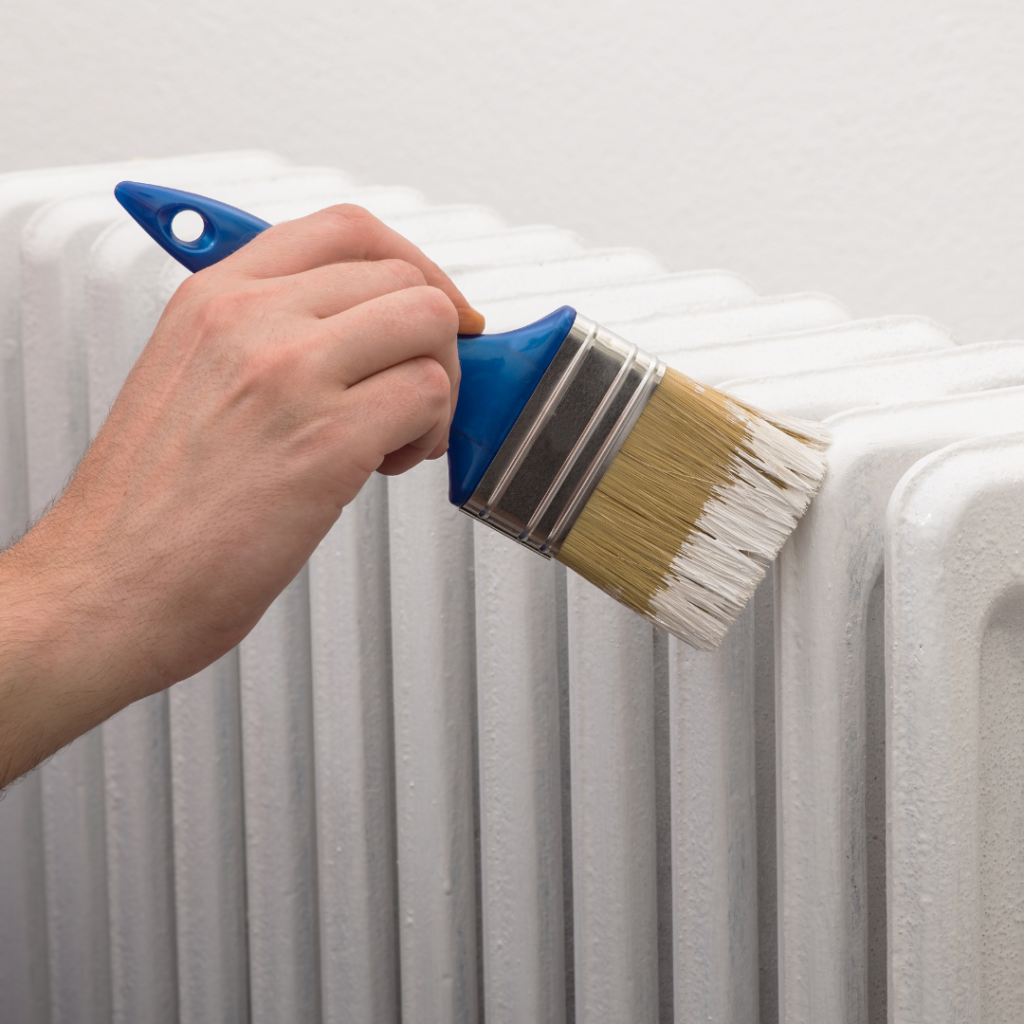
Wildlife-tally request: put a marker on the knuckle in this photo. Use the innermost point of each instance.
(191, 289)
(348, 217)
(191, 296)
(408, 276)
(431, 381)
(433, 304)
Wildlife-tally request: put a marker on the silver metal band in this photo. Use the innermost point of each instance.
(566, 437)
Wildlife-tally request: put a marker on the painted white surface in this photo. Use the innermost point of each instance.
(732, 322)
(350, 636)
(280, 826)
(506, 249)
(24, 966)
(434, 685)
(611, 730)
(822, 393)
(521, 800)
(514, 245)
(714, 829)
(829, 897)
(584, 270)
(210, 911)
(714, 957)
(443, 223)
(74, 856)
(954, 714)
(616, 301)
(854, 342)
(140, 866)
(816, 394)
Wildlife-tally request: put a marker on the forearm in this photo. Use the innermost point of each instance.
(60, 674)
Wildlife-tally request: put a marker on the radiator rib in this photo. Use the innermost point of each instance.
(953, 590)
(350, 616)
(517, 648)
(434, 671)
(611, 725)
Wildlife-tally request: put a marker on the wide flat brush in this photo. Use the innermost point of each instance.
(670, 496)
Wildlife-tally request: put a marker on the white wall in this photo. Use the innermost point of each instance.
(874, 150)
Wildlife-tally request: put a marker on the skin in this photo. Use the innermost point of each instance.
(275, 383)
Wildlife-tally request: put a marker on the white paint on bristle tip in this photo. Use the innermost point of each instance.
(740, 531)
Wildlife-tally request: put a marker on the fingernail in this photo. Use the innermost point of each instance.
(470, 321)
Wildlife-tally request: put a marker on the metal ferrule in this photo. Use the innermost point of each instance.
(572, 427)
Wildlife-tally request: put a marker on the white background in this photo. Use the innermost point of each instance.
(870, 149)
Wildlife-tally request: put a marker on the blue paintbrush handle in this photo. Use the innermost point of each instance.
(225, 228)
(499, 371)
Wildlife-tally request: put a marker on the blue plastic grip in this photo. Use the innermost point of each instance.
(225, 228)
(499, 371)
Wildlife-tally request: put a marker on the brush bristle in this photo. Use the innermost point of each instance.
(694, 507)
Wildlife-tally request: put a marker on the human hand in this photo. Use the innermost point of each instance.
(275, 383)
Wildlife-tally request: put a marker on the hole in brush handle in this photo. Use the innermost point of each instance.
(188, 226)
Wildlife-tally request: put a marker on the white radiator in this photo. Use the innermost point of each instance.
(444, 781)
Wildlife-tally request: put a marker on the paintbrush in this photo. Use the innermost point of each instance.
(670, 496)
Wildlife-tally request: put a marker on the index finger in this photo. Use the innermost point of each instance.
(342, 234)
